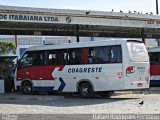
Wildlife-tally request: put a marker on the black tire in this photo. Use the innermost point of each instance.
(86, 90)
(106, 94)
(27, 88)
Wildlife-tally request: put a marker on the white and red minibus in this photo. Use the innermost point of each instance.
(87, 68)
(154, 54)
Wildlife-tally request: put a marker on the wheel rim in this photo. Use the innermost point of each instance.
(85, 91)
(27, 89)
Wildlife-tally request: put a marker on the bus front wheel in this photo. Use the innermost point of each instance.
(27, 88)
(85, 90)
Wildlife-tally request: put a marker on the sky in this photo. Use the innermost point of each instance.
(98, 5)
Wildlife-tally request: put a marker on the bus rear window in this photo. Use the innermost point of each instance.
(154, 58)
(137, 51)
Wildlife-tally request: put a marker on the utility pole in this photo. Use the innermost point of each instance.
(77, 33)
(157, 10)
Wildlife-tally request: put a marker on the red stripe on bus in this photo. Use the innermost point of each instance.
(155, 69)
(36, 72)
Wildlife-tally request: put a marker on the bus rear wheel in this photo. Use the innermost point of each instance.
(85, 90)
(106, 94)
(27, 88)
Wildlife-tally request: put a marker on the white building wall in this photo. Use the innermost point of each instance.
(7, 38)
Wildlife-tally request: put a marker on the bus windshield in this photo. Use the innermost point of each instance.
(137, 51)
(26, 60)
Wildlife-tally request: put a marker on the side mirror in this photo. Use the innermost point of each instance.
(17, 62)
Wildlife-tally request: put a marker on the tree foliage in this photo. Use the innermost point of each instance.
(6, 48)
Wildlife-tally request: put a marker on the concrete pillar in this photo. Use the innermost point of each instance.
(77, 33)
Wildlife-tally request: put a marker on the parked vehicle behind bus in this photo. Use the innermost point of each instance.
(154, 53)
(100, 67)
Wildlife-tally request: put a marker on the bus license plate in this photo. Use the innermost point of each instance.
(140, 84)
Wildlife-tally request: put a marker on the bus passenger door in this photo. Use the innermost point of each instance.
(25, 67)
(38, 70)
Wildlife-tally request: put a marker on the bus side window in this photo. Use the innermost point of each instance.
(74, 56)
(71, 57)
(154, 58)
(105, 54)
(101, 55)
(39, 58)
(109, 55)
(52, 58)
(62, 57)
(116, 54)
(78, 55)
(97, 55)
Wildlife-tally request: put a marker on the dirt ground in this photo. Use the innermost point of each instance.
(120, 103)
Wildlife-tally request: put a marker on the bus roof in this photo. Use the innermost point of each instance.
(79, 44)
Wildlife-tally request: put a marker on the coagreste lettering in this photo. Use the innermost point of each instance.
(85, 70)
